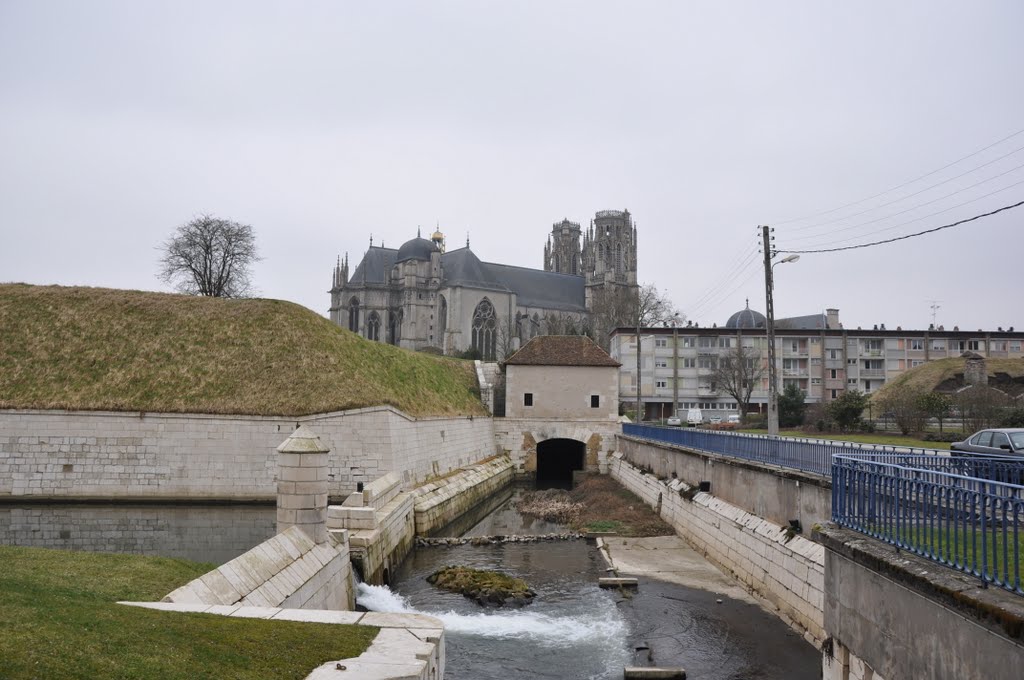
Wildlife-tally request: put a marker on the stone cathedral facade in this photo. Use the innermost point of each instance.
(423, 294)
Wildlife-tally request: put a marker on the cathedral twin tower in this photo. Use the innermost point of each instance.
(605, 255)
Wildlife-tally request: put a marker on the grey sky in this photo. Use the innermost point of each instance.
(321, 123)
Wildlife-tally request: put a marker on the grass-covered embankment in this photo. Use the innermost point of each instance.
(59, 619)
(119, 350)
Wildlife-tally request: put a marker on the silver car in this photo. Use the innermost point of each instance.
(1002, 442)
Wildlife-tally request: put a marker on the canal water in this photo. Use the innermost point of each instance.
(572, 630)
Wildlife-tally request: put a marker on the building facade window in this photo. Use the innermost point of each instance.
(660, 363)
(661, 342)
(485, 330)
(394, 326)
(442, 320)
(353, 315)
(661, 383)
(973, 345)
(917, 345)
(595, 401)
(689, 362)
(373, 326)
(528, 399)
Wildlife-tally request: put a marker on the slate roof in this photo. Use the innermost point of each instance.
(561, 350)
(461, 267)
(806, 322)
(376, 263)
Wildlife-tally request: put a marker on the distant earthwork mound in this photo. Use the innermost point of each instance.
(121, 350)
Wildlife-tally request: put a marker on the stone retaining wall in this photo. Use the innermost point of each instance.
(440, 502)
(785, 570)
(168, 456)
(288, 570)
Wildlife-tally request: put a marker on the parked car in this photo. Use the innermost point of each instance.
(715, 420)
(1003, 442)
(674, 421)
(694, 417)
(734, 419)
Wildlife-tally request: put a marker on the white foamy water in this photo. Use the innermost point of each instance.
(598, 623)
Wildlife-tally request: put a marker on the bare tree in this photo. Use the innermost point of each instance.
(736, 373)
(209, 256)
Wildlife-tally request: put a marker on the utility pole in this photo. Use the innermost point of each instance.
(773, 386)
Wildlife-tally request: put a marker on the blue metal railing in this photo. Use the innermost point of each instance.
(809, 455)
(963, 512)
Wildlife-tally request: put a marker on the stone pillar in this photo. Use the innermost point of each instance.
(302, 484)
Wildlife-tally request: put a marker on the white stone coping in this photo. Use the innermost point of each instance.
(403, 649)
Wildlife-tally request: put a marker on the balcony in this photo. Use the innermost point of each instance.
(794, 373)
(707, 391)
(871, 352)
(790, 352)
(872, 373)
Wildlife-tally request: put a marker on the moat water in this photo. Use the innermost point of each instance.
(572, 630)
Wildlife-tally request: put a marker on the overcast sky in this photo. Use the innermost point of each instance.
(322, 123)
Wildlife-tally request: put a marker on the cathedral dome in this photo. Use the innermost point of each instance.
(746, 318)
(415, 249)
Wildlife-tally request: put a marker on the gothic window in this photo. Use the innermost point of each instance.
(618, 257)
(442, 320)
(485, 330)
(600, 252)
(373, 326)
(394, 326)
(575, 265)
(353, 315)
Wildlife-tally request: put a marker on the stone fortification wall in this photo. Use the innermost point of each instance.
(774, 493)
(201, 533)
(439, 503)
(84, 454)
(382, 526)
(288, 571)
(785, 570)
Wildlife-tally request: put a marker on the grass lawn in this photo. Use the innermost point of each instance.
(963, 545)
(58, 619)
(862, 438)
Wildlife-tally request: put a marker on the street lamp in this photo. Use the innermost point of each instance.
(773, 383)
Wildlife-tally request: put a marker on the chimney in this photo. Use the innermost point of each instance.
(832, 318)
(302, 484)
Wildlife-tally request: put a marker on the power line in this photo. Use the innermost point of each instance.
(738, 265)
(917, 219)
(920, 191)
(900, 186)
(919, 205)
(906, 236)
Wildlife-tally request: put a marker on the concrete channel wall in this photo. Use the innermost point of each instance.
(771, 492)
(785, 570)
(170, 456)
(440, 502)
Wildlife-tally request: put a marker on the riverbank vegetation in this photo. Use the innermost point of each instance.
(122, 350)
(60, 619)
(597, 504)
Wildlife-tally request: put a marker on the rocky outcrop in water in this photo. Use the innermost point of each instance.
(487, 588)
(426, 542)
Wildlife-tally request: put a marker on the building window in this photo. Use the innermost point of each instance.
(725, 343)
(973, 345)
(1015, 346)
(353, 315)
(485, 330)
(834, 354)
(528, 399)
(833, 374)
(851, 381)
(915, 363)
(706, 342)
(595, 401)
(916, 345)
(851, 362)
(373, 326)
(938, 345)
(690, 362)
(706, 362)
(661, 383)
(660, 363)
(835, 394)
(689, 342)
(442, 320)
(815, 381)
(394, 326)
(661, 342)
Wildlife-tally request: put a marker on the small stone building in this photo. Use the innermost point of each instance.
(562, 376)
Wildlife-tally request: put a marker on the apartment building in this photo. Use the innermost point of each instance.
(812, 352)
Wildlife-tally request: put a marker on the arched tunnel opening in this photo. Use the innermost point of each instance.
(557, 459)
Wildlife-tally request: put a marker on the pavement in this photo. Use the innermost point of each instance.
(670, 559)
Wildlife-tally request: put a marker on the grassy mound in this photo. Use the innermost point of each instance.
(489, 588)
(60, 620)
(928, 376)
(102, 349)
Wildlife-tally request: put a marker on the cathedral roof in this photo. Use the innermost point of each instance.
(415, 249)
(463, 268)
(375, 265)
(536, 288)
(561, 350)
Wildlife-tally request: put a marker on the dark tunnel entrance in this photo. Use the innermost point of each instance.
(556, 461)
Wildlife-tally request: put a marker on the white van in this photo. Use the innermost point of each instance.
(694, 417)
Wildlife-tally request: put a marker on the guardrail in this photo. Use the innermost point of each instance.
(965, 512)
